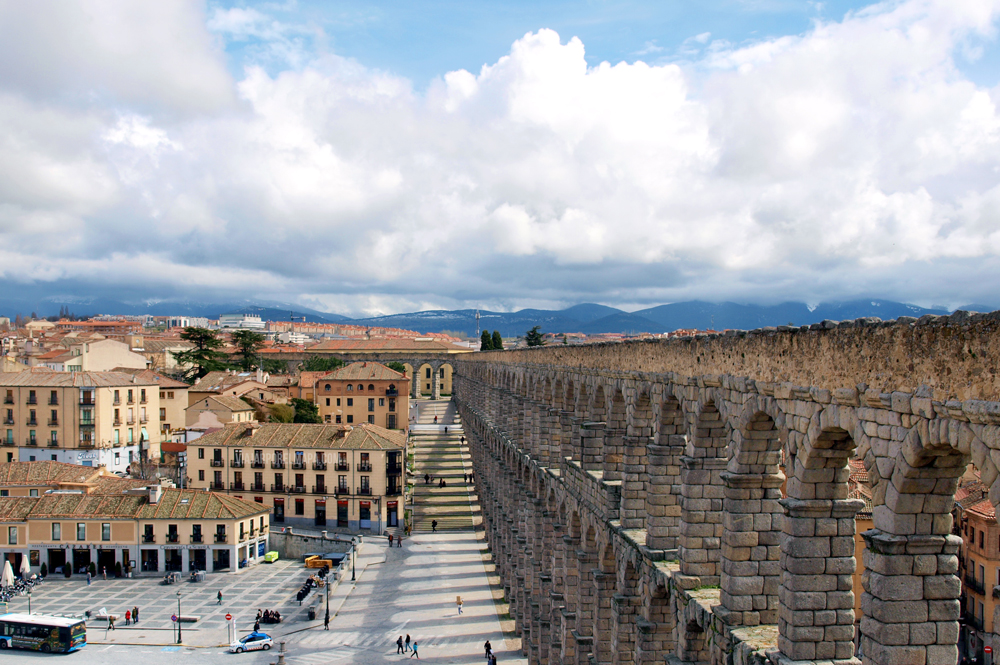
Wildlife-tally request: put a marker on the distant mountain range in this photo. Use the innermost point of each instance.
(586, 318)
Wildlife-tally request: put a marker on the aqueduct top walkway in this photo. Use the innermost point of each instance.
(687, 499)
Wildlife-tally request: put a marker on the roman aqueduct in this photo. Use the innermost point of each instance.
(685, 501)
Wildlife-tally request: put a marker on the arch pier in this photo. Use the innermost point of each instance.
(687, 501)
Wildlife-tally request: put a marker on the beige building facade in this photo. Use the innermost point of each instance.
(364, 392)
(348, 477)
(218, 410)
(87, 418)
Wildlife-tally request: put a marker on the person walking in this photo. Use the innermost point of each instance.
(128, 616)
(135, 615)
(489, 649)
(256, 625)
(407, 643)
(414, 650)
(458, 601)
(104, 573)
(219, 597)
(390, 540)
(88, 578)
(399, 541)
(111, 623)
(434, 528)
(427, 479)
(326, 622)
(399, 645)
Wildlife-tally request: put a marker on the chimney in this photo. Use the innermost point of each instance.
(155, 492)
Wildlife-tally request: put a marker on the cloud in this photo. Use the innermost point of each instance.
(849, 160)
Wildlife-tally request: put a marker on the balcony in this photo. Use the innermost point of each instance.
(319, 466)
(32, 423)
(257, 464)
(391, 392)
(236, 486)
(237, 463)
(217, 462)
(32, 400)
(53, 401)
(143, 419)
(277, 464)
(342, 490)
(393, 491)
(173, 538)
(297, 489)
(53, 422)
(973, 621)
(319, 489)
(394, 468)
(8, 421)
(258, 487)
(221, 538)
(9, 399)
(299, 466)
(131, 400)
(972, 584)
(278, 487)
(31, 441)
(86, 443)
(196, 538)
(343, 466)
(53, 443)
(365, 491)
(130, 420)
(117, 422)
(365, 466)
(88, 401)
(87, 423)
(148, 538)
(8, 442)
(243, 536)
(117, 401)
(217, 485)
(143, 400)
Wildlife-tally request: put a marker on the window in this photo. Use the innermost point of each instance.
(131, 435)
(365, 487)
(163, 414)
(338, 401)
(12, 535)
(327, 387)
(201, 453)
(118, 398)
(116, 437)
(338, 420)
(371, 403)
(381, 401)
(981, 533)
(7, 493)
(361, 388)
(350, 388)
(328, 401)
(81, 531)
(32, 492)
(350, 401)
(142, 394)
(56, 531)
(350, 419)
(201, 474)
(53, 397)
(371, 420)
(131, 397)
(300, 506)
(392, 404)
(442, 372)
(106, 531)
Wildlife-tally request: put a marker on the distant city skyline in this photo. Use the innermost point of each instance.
(368, 158)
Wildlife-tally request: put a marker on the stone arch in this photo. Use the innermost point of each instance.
(625, 608)
(655, 628)
(635, 460)
(663, 489)
(614, 435)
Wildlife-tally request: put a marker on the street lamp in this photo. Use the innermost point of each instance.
(178, 616)
(354, 558)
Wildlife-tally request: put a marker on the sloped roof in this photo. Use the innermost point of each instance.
(149, 376)
(222, 380)
(173, 504)
(984, 508)
(196, 504)
(226, 401)
(301, 435)
(365, 371)
(160, 345)
(45, 473)
(49, 379)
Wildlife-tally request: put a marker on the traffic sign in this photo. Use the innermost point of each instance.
(229, 617)
(173, 617)
(987, 649)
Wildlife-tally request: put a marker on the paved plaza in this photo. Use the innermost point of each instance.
(399, 591)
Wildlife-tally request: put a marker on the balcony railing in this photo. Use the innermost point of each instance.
(299, 465)
(87, 423)
(86, 443)
(319, 466)
(218, 462)
(319, 489)
(391, 392)
(365, 466)
(53, 443)
(394, 468)
(217, 485)
(32, 400)
(243, 536)
(53, 401)
(84, 401)
(8, 442)
(236, 486)
(144, 419)
(53, 422)
(31, 441)
(393, 491)
(130, 420)
(8, 421)
(148, 538)
(257, 464)
(221, 538)
(197, 538)
(297, 489)
(8, 399)
(117, 422)
(341, 490)
(972, 584)
(117, 401)
(365, 491)
(32, 423)
(343, 466)
(238, 463)
(278, 464)
(173, 538)
(258, 487)
(973, 621)
(142, 400)
(278, 487)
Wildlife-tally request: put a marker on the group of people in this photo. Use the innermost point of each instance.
(132, 616)
(398, 539)
(469, 477)
(404, 647)
(491, 658)
(266, 616)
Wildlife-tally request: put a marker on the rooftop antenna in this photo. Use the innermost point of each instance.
(477, 323)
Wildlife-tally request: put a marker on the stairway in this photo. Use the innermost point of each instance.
(440, 455)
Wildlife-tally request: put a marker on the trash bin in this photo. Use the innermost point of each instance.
(312, 612)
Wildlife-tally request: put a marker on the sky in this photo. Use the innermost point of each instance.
(383, 156)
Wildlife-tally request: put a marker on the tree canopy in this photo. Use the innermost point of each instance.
(305, 411)
(248, 344)
(497, 341)
(397, 366)
(205, 357)
(534, 337)
(321, 364)
(486, 341)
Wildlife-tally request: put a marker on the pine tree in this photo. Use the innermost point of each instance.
(534, 337)
(205, 357)
(248, 344)
(497, 341)
(486, 341)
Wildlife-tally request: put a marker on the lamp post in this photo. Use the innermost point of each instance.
(29, 600)
(326, 621)
(178, 617)
(354, 558)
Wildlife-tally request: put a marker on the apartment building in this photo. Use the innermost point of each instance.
(349, 477)
(237, 384)
(216, 411)
(87, 418)
(173, 398)
(364, 392)
(71, 517)
(979, 565)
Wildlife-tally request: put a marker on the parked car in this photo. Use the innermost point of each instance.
(253, 642)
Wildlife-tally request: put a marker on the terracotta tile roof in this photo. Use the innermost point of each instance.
(225, 401)
(299, 435)
(173, 504)
(149, 376)
(858, 472)
(161, 345)
(310, 378)
(365, 371)
(44, 473)
(970, 494)
(983, 508)
(50, 379)
(197, 504)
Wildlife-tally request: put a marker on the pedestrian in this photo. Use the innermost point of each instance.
(399, 645)
(493, 659)
(390, 540)
(128, 616)
(88, 578)
(111, 623)
(414, 650)
(219, 597)
(135, 614)
(104, 573)
(489, 649)
(435, 419)
(399, 541)
(427, 479)
(407, 643)
(463, 439)
(458, 601)
(256, 625)
(407, 530)
(326, 621)
(434, 527)
(445, 429)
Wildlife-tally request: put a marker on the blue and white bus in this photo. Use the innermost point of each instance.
(40, 632)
